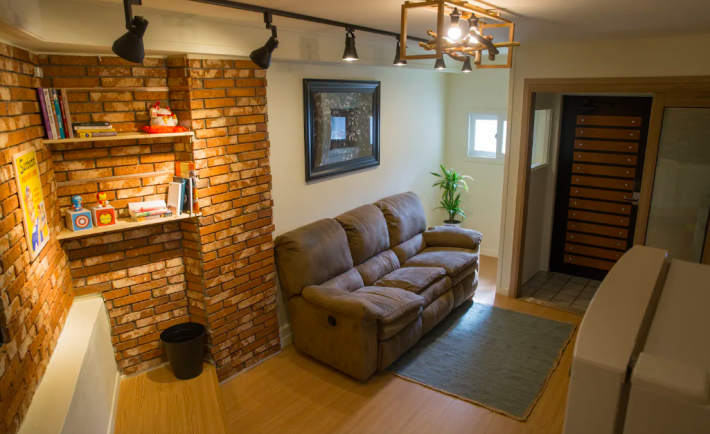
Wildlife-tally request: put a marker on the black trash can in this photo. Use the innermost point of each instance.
(185, 346)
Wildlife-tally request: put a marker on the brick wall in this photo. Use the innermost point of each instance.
(35, 295)
(229, 115)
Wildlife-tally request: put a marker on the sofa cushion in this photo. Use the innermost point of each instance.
(386, 331)
(366, 230)
(435, 290)
(412, 279)
(348, 281)
(451, 259)
(404, 215)
(409, 248)
(378, 266)
(383, 304)
(311, 255)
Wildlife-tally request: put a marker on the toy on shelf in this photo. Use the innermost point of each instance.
(103, 214)
(78, 218)
(162, 121)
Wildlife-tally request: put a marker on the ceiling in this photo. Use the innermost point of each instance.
(536, 20)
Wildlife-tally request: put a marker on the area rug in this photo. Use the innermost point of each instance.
(493, 357)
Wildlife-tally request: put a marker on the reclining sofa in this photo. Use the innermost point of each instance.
(362, 288)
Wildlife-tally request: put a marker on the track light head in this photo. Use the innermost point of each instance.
(397, 60)
(440, 64)
(130, 45)
(262, 55)
(467, 65)
(350, 53)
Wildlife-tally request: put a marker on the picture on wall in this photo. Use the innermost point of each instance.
(342, 126)
(31, 195)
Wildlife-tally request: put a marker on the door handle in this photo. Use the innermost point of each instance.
(634, 199)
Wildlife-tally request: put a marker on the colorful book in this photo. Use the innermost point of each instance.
(50, 113)
(94, 128)
(105, 130)
(146, 206)
(92, 124)
(45, 115)
(195, 204)
(67, 113)
(58, 113)
(63, 112)
(149, 213)
(175, 193)
(83, 135)
(152, 217)
(185, 169)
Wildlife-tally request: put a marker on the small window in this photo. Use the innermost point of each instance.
(486, 136)
(542, 125)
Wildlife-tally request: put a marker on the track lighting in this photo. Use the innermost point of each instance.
(467, 65)
(262, 55)
(130, 45)
(454, 32)
(350, 52)
(440, 63)
(397, 60)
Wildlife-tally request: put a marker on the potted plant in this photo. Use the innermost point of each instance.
(451, 181)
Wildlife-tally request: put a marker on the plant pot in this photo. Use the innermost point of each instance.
(452, 223)
(185, 346)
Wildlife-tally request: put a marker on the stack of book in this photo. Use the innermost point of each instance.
(84, 130)
(182, 192)
(55, 112)
(144, 211)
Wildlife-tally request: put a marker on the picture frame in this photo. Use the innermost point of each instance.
(341, 126)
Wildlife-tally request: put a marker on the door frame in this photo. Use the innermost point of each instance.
(663, 90)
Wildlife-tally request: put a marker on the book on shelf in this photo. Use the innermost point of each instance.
(92, 124)
(151, 205)
(166, 213)
(186, 170)
(94, 127)
(56, 113)
(176, 190)
(86, 135)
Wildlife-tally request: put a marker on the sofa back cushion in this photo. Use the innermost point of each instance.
(366, 230)
(404, 215)
(374, 268)
(311, 255)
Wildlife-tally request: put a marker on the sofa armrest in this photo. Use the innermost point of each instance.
(447, 236)
(377, 303)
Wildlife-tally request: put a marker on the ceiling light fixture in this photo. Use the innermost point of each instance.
(454, 32)
(262, 55)
(130, 45)
(440, 64)
(350, 53)
(467, 65)
(397, 60)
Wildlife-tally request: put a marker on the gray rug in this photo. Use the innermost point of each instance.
(489, 356)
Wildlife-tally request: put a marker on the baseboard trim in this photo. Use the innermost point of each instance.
(114, 405)
(489, 252)
(286, 336)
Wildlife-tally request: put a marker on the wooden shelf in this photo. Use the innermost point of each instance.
(117, 89)
(121, 136)
(121, 225)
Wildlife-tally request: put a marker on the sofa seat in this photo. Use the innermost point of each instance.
(452, 259)
(428, 282)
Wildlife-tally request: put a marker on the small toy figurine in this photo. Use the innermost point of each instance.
(77, 203)
(101, 199)
(162, 116)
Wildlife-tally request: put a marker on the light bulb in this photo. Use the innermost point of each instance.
(454, 32)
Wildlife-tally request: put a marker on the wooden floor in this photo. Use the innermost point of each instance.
(291, 393)
(156, 402)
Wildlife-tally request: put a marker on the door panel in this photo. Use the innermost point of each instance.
(602, 146)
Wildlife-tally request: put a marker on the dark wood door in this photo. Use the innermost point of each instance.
(602, 148)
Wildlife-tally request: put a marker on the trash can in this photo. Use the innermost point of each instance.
(185, 347)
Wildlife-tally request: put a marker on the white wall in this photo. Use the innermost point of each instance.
(667, 56)
(541, 196)
(480, 90)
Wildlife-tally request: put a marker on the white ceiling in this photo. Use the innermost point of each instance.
(535, 20)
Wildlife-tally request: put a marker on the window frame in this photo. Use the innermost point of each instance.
(493, 114)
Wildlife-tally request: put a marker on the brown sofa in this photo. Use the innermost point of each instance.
(364, 287)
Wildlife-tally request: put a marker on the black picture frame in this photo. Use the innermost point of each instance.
(340, 144)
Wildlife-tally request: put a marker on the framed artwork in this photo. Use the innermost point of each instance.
(29, 188)
(342, 126)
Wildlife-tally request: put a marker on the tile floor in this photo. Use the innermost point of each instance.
(560, 289)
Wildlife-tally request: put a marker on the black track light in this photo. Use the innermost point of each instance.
(467, 65)
(397, 60)
(350, 53)
(440, 63)
(130, 45)
(262, 55)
